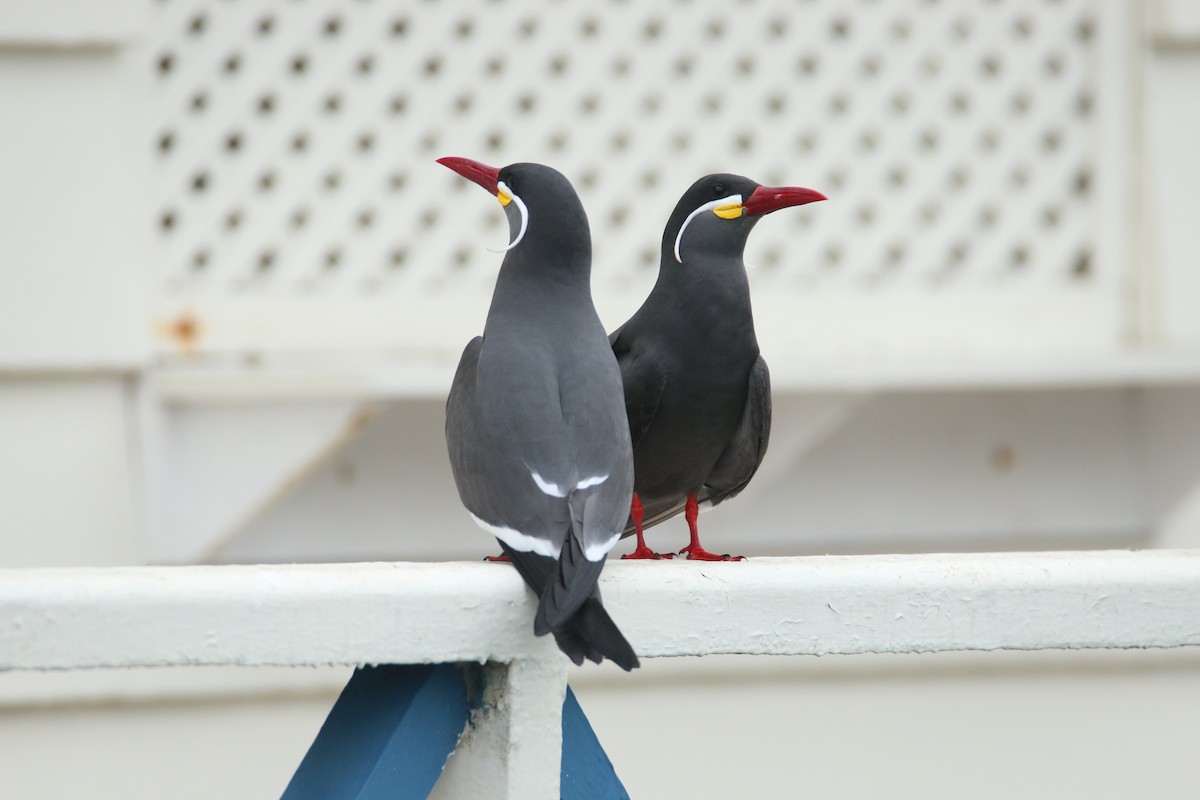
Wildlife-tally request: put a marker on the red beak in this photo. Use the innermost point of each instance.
(766, 199)
(482, 174)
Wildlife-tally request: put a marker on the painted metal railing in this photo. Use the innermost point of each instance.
(408, 613)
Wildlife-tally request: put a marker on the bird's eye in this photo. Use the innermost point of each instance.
(719, 190)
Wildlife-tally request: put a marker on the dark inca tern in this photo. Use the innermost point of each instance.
(697, 390)
(535, 422)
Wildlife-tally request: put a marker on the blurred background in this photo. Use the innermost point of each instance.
(234, 286)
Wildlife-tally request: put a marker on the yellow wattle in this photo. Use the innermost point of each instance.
(729, 211)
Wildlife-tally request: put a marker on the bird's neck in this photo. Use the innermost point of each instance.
(707, 299)
(552, 273)
(529, 290)
(717, 280)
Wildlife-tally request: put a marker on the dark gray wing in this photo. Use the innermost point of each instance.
(504, 427)
(643, 383)
(741, 458)
(462, 417)
(745, 452)
(541, 452)
(555, 394)
(493, 482)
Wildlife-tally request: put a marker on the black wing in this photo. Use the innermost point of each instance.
(745, 452)
(462, 423)
(643, 382)
(493, 482)
(741, 458)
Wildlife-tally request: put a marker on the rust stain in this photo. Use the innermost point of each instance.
(184, 331)
(1003, 458)
(359, 421)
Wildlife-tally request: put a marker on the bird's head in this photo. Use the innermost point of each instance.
(718, 211)
(534, 197)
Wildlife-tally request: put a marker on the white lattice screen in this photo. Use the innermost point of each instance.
(968, 148)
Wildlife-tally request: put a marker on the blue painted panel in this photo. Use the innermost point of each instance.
(388, 735)
(587, 774)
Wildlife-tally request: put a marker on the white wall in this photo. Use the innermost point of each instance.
(994, 725)
(68, 473)
(1076, 726)
(74, 280)
(80, 426)
(244, 746)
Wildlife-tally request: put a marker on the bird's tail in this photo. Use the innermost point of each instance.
(602, 638)
(570, 584)
(569, 605)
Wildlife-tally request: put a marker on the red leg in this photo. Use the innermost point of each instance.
(641, 551)
(694, 551)
(501, 559)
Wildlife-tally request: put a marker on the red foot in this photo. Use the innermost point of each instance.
(695, 552)
(698, 553)
(502, 559)
(642, 552)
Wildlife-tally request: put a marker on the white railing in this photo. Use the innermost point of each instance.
(468, 612)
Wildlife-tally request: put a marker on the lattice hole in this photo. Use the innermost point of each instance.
(296, 150)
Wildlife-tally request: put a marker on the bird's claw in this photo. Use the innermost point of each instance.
(700, 554)
(645, 553)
